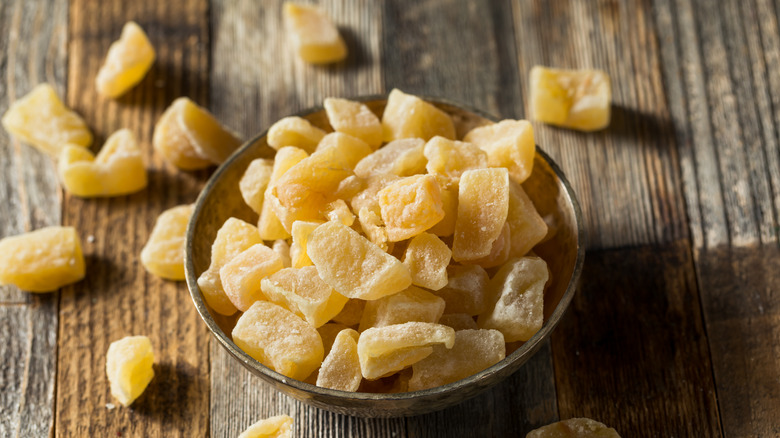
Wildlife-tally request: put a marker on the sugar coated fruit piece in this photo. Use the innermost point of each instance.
(279, 426)
(355, 119)
(449, 203)
(458, 321)
(408, 116)
(450, 158)
(466, 290)
(338, 210)
(518, 293)
(385, 350)
(282, 248)
(300, 238)
(127, 62)
(163, 254)
(269, 225)
(574, 428)
(241, 276)
(313, 35)
(171, 141)
(427, 258)
(42, 120)
(304, 293)
(373, 228)
(278, 339)
(499, 251)
(117, 169)
(362, 270)
(508, 143)
(403, 157)
(255, 181)
(483, 203)
(527, 227)
(410, 206)
(576, 99)
(43, 260)
(129, 364)
(412, 304)
(473, 351)
(366, 196)
(295, 131)
(341, 368)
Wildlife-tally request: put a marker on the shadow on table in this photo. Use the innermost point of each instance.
(630, 123)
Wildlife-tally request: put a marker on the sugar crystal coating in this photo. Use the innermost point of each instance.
(242, 275)
(403, 157)
(576, 99)
(483, 204)
(427, 258)
(295, 131)
(466, 289)
(279, 426)
(341, 368)
(129, 367)
(128, 60)
(410, 206)
(355, 119)
(450, 158)
(411, 304)
(313, 35)
(304, 293)
(407, 116)
(508, 143)
(255, 181)
(385, 350)
(163, 254)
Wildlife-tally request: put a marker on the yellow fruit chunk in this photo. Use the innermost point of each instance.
(42, 120)
(412, 304)
(300, 237)
(402, 157)
(43, 260)
(499, 252)
(273, 427)
(328, 333)
(171, 141)
(341, 368)
(385, 350)
(574, 428)
(278, 339)
(304, 293)
(459, 321)
(282, 249)
(508, 143)
(241, 276)
(473, 351)
(373, 228)
(129, 367)
(295, 131)
(483, 203)
(361, 270)
(163, 254)
(338, 210)
(449, 203)
(451, 158)
(427, 258)
(355, 119)
(518, 293)
(117, 169)
(255, 181)
(127, 62)
(576, 99)
(313, 35)
(466, 290)
(410, 206)
(366, 197)
(351, 313)
(269, 225)
(409, 116)
(527, 228)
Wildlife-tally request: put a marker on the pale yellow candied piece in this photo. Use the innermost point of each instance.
(449, 203)
(295, 131)
(411, 304)
(517, 293)
(450, 158)
(351, 313)
(338, 210)
(427, 258)
(282, 248)
(129, 366)
(483, 203)
(328, 333)
(373, 228)
(42, 120)
(128, 60)
(268, 223)
(255, 181)
(313, 35)
(172, 142)
(527, 227)
(355, 119)
(499, 252)
(410, 206)
(118, 168)
(576, 99)
(43, 260)
(403, 157)
(207, 136)
(304, 293)
(466, 290)
(278, 339)
(408, 116)
(362, 270)
(279, 426)
(458, 321)
(242, 275)
(574, 428)
(163, 254)
(366, 197)
(300, 238)
(385, 350)
(341, 368)
(508, 143)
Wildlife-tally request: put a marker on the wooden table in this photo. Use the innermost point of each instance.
(675, 331)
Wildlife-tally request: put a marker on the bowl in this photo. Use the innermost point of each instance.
(564, 253)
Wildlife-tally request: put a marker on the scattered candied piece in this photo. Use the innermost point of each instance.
(576, 99)
(163, 254)
(574, 428)
(341, 368)
(128, 60)
(129, 364)
(282, 248)
(451, 158)
(300, 237)
(499, 252)
(466, 290)
(255, 181)
(43, 260)
(518, 293)
(328, 333)
(118, 168)
(338, 210)
(373, 228)
(279, 426)
(483, 203)
(427, 258)
(403, 157)
(351, 313)
(304, 293)
(410, 206)
(241, 276)
(313, 35)
(170, 141)
(355, 119)
(42, 120)
(449, 203)
(458, 321)
(407, 116)
(508, 143)
(268, 224)
(527, 227)
(295, 131)
(362, 269)
(278, 339)
(411, 304)
(473, 351)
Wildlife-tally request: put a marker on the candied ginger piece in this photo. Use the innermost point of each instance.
(373, 228)
(466, 290)
(408, 116)
(499, 252)
(129, 364)
(351, 313)
(385, 350)
(304, 293)
(341, 368)
(412, 304)
(117, 169)
(403, 157)
(410, 206)
(459, 321)
(171, 141)
(362, 270)
(128, 60)
(43, 260)
(527, 227)
(163, 254)
(483, 203)
(508, 143)
(278, 339)
(451, 158)
(338, 210)
(367, 196)
(282, 248)
(328, 333)
(42, 120)
(576, 99)
(313, 35)
(518, 293)
(449, 203)
(268, 224)
(255, 181)
(279, 426)
(574, 428)
(473, 351)
(427, 258)
(355, 119)
(300, 237)
(295, 131)
(242, 275)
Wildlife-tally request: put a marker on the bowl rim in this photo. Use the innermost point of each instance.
(529, 347)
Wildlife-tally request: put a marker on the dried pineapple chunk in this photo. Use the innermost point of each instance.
(255, 181)
(408, 116)
(300, 237)
(282, 248)
(412, 304)
(241, 276)
(170, 141)
(403, 157)
(163, 254)
(43, 260)
(295, 131)
(449, 203)
(466, 290)
(313, 35)
(42, 120)
(576, 99)
(355, 119)
(338, 210)
(279, 426)
(450, 158)
(483, 203)
(410, 206)
(508, 143)
(127, 62)
(527, 227)
(499, 252)
(373, 228)
(304, 293)
(574, 428)
(385, 350)
(129, 364)
(427, 258)
(269, 225)
(341, 368)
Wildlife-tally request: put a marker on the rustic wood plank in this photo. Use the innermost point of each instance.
(118, 298)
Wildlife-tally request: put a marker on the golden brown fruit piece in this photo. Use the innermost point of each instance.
(408, 116)
(355, 119)
(412, 304)
(410, 206)
(385, 350)
(163, 254)
(313, 35)
(295, 131)
(341, 368)
(241, 276)
(273, 427)
(268, 224)
(574, 428)
(427, 258)
(127, 62)
(255, 181)
(129, 367)
(508, 143)
(483, 204)
(304, 293)
(576, 99)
